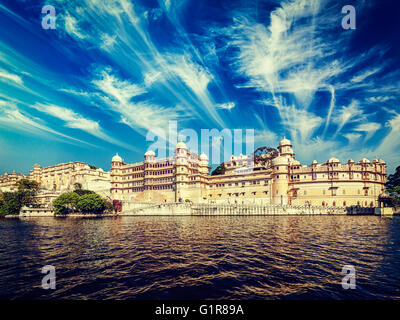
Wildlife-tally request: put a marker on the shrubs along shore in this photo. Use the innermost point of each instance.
(78, 202)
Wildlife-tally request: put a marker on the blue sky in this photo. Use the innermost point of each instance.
(113, 70)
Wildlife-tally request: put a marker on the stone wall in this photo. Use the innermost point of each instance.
(226, 209)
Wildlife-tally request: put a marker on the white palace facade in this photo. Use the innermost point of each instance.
(185, 177)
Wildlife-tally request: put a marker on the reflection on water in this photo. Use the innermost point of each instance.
(291, 257)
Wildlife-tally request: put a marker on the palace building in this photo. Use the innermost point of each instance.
(57, 179)
(281, 181)
(63, 176)
(9, 180)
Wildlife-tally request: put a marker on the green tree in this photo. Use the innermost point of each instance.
(393, 180)
(11, 203)
(219, 170)
(27, 191)
(109, 207)
(66, 203)
(26, 184)
(81, 192)
(77, 186)
(393, 187)
(78, 189)
(263, 156)
(91, 203)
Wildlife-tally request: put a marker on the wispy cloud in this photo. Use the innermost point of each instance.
(11, 117)
(369, 128)
(10, 76)
(117, 94)
(77, 121)
(352, 112)
(227, 105)
(362, 76)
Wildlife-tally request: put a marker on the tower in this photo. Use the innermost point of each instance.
(115, 175)
(280, 173)
(203, 164)
(149, 159)
(181, 167)
(285, 148)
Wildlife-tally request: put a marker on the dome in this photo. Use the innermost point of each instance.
(295, 163)
(364, 160)
(381, 161)
(116, 158)
(285, 142)
(181, 145)
(150, 153)
(203, 156)
(350, 161)
(333, 159)
(314, 162)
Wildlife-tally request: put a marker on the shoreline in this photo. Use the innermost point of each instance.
(184, 209)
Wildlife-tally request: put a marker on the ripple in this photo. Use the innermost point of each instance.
(200, 257)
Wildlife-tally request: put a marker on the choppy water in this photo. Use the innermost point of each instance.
(200, 257)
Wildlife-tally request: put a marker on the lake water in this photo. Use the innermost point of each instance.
(225, 257)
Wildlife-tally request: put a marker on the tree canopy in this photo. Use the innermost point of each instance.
(393, 180)
(219, 170)
(393, 187)
(66, 203)
(263, 156)
(78, 189)
(26, 184)
(12, 202)
(91, 203)
(87, 202)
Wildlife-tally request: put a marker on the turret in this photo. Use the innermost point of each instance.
(203, 164)
(150, 156)
(285, 148)
(116, 161)
(181, 157)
